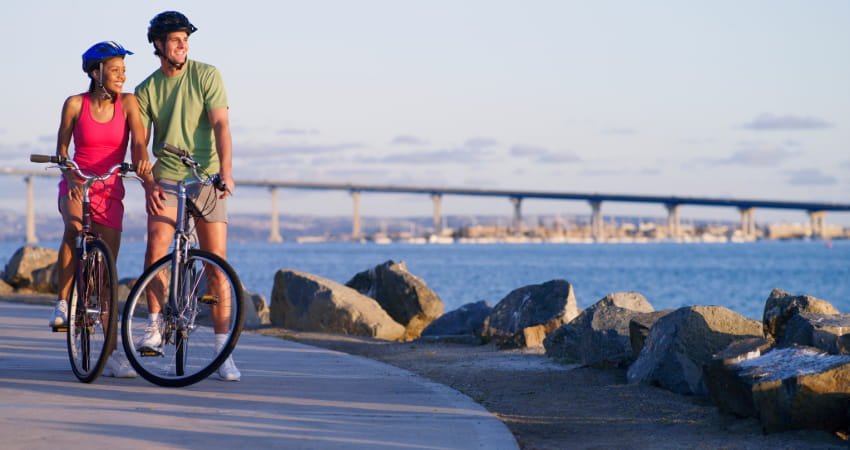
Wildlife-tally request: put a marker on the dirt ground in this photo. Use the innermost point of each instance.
(547, 405)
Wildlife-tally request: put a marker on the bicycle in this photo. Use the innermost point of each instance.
(194, 288)
(92, 323)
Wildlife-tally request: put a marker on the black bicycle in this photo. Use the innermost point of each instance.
(92, 308)
(199, 295)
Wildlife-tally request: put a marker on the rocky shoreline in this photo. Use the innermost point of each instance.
(708, 358)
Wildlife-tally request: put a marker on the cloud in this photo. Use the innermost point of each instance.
(405, 139)
(563, 157)
(528, 150)
(845, 164)
(810, 177)
(480, 143)
(448, 156)
(297, 131)
(754, 154)
(543, 155)
(759, 157)
(772, 122)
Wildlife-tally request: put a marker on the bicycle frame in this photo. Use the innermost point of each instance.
(198, 284)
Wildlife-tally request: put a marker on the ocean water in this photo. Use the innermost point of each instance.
(739, 276)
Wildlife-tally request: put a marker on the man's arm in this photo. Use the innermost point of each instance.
(220, 122)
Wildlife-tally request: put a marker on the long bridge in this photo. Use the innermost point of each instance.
(816, 210)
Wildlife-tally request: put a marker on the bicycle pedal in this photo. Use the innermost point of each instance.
(209, 299)
(149, 351)
(60, 329)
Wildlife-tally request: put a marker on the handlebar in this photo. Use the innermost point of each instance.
(120, 169)
(184, 156)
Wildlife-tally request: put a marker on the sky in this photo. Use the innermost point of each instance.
(727, 99)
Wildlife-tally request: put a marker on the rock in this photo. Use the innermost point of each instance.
(5, 288)
(256, 310)
(722, 381)
(26, 260)
(829, 333)
(791, 388)
(306, 302)
(550, 304)
(682, 342)
(599, 336)
(46, 279)
(781, 306)
(404, 296)
(466, 320)
(639, 328)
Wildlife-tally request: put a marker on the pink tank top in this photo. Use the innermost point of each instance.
(97, 147)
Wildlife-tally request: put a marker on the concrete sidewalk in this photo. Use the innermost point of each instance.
(291, 396)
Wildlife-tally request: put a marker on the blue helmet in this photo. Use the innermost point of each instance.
(101, 51)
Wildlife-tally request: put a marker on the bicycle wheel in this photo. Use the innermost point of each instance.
(208, 301)
(92, 312)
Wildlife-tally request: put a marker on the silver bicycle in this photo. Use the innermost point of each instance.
(199, 295)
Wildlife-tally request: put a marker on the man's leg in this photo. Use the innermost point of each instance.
(212, 236)
(160, 234)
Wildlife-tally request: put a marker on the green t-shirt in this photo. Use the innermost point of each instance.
(178, 108)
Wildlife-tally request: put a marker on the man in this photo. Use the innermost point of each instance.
(186, 104)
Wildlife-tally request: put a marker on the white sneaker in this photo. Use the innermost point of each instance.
(228, 371)
(152, 338)
(60, 314)
(117, 366)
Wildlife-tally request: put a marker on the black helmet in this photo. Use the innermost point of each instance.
(101, 51)
(169, 21)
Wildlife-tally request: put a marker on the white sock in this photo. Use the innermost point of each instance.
(220, 340)
(154, 317)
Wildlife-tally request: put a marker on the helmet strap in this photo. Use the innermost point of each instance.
(104, 94)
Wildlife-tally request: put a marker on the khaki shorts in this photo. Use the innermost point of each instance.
(205, 198)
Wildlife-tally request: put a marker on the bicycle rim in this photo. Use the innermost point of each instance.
(92, 313)
(207, 288)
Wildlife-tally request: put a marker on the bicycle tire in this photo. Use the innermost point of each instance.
(92, 311)
(188, 354)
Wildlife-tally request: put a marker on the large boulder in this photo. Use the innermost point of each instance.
(682, 342)
(829, 333)
(307, 302)
(781, 307)
(25, 261)
(599, 336)
(466, 320)
(46, 279)
(639, 328)
(725, 387)
(404, 296)
(526, 315)
(786, 389)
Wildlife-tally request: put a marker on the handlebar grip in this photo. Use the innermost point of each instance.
(218, 183)
(45, 159)
(127, 167)
(172, 149)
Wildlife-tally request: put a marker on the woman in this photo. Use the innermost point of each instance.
(102, 121)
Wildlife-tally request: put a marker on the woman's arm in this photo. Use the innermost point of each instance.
(70, 114)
